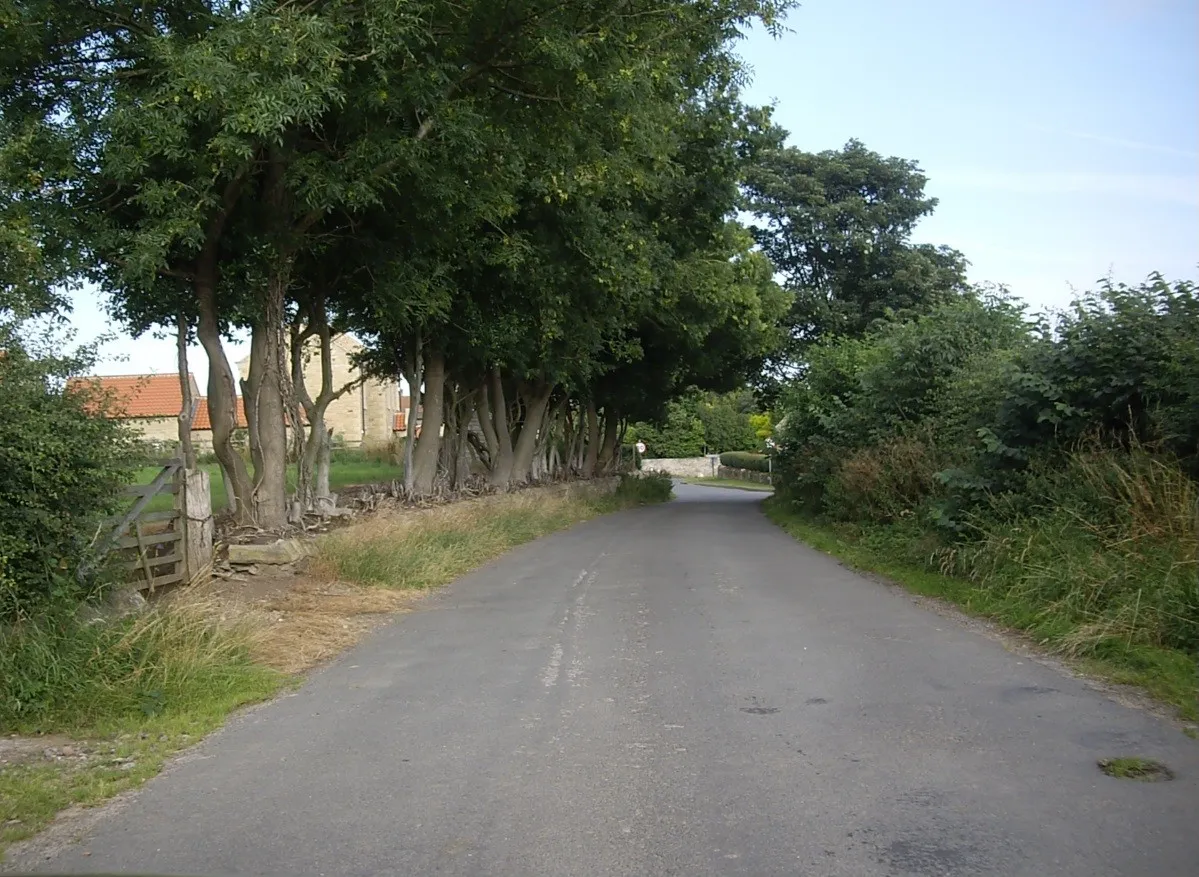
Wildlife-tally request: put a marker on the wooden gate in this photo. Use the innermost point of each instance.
(152, 544)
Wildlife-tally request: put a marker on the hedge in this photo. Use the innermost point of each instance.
(741, 460)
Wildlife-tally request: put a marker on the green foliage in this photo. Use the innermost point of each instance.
(646, 489)
(1121, 362)
(1052, 466)
(928, 375)
(726, 421)
(838, 225)
(57, 673)
(680, 435)
(762, 425)
(752, 462)
(62, 467)
(535, 190)
(1110, 539)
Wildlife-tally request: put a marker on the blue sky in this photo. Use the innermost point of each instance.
(1061, 137)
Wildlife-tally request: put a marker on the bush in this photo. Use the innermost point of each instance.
(884, 483)
(726, 426)
(62, 469)
(645, 489)
(740, 460)
(681, 434)
(1123, 362)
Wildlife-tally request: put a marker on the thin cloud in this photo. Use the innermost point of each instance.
(1126, 144)
(1172, 189)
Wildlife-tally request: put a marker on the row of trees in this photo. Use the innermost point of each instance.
(524, 208)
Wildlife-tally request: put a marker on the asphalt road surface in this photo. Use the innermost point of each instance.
(679, 689)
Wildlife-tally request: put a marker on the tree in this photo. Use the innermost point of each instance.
(681, 434)
(727, 426)
(838, 226)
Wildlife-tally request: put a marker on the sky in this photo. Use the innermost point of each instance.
(1061, 137)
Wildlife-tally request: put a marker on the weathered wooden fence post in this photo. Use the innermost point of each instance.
(195, 502)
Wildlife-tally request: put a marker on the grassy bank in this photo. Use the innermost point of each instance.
(435, 547)
(100, 708)
(1050, 595)
(729, 482)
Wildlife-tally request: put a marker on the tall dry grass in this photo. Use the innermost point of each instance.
(887, 481)
(61, 673)
(416, 550)
(1109, 556)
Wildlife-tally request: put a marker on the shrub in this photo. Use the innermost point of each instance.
(886, 482)
(645, 489)
(726, 426)
(740, 460)
(1123, 361)
(62, 469)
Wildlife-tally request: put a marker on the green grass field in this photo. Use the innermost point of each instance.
(343, 472)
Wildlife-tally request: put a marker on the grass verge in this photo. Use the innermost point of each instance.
(425, 549)
(730, 483)
(100, 708)
(118, 697)
(1167, 675)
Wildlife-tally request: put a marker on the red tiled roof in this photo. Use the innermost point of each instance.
(204, 419)
(401, 422)
(137, 395)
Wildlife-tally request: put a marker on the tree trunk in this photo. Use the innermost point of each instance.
(415, 378)
(462, 457)
(425, 457)
(312, 483)
(449, 440)
(568, 436)
(591, 455)
(222, 397)
(265, 397)
(607, 456)
(494, 417)
(306, 446)
(532, 424)
(187, 410)
(322, 466)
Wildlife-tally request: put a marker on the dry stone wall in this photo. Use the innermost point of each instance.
(684, 467)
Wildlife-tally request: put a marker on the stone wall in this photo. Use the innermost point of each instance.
(686, 467)
(744, 475)
(156, 429)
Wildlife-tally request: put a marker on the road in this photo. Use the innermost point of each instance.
(679, 689)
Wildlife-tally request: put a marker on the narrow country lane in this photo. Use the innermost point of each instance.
(679, 689)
